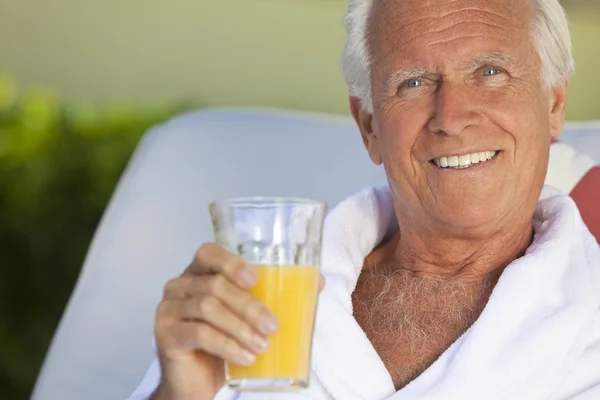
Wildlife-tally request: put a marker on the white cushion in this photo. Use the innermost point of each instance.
(584, 137)
(575, 153)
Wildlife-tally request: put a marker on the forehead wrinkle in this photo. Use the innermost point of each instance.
(433, 17)
(451, 39)
(436, 17)
(456, 25)
(454, 32)
(477, 10)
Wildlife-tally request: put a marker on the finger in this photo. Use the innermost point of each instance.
(209, 309)
(241, 302)
(184, 287)
(212, 258)
(321, 283)
(187, 336)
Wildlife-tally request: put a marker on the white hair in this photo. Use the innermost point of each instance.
(550, 34)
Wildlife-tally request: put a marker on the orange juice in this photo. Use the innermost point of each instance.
(290, 292)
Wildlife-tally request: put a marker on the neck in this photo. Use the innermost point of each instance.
(433, 255)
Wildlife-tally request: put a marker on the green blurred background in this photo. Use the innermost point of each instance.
(80, 81)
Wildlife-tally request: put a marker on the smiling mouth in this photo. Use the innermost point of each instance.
(464, 161)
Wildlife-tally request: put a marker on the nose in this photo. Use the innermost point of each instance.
(456, 108)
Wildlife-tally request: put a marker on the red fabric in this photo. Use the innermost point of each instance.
(587, 197)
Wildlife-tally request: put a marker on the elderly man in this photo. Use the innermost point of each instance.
(465, 278)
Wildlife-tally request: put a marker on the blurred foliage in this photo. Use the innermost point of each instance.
(59, 164)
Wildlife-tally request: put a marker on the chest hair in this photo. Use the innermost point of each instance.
(412, 320)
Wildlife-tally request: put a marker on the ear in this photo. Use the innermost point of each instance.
(364, 120)
(558, 108)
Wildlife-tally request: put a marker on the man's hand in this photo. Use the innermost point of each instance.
(207, 317)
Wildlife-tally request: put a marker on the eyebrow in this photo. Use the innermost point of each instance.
(496, 58)
(403, 75)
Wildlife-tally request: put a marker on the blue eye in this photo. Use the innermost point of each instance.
(414, 83)
(491, 72)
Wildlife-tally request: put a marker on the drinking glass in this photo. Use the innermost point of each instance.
(281, 238)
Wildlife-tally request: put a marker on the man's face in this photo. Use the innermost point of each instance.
(452, 79)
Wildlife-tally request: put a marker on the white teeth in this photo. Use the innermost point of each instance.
(464, 161)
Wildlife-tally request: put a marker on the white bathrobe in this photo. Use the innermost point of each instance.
(537, 338)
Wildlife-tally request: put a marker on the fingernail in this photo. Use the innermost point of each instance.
(246, 358)
(268, 325)
(247, 277)
(259, 343)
